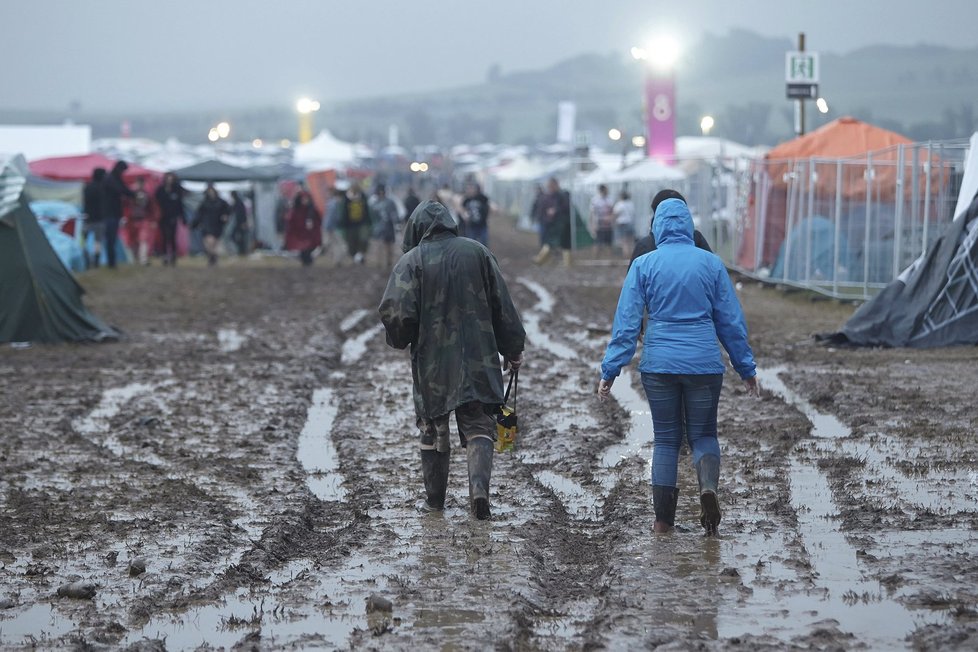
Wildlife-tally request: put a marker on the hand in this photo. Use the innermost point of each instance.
(514, 363)
(604, 388)
(753, 387)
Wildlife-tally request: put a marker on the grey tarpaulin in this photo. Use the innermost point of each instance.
(936, 304)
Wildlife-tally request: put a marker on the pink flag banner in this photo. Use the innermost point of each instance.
(660, 112)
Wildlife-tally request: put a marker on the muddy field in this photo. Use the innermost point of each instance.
(251, 442)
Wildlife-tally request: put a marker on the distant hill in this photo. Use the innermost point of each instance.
(922, 91)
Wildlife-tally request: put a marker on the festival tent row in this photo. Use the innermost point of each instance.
(935, 301)
(40, 300)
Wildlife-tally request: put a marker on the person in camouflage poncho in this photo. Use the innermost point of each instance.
(447, 300)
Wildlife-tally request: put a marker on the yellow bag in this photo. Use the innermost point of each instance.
(506, 417)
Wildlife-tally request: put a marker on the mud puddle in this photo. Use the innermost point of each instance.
(580, 502)
(355, 347)
(316, 451)
(353, 319)
(638, 442)
(532, 317)
(230, 340)
(301, 605)
(35, 625)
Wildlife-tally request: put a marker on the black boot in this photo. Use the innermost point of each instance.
(434, 469)
(664, 500)
(480, 451)
(708, 474)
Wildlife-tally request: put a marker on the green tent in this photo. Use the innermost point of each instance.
(40, 301)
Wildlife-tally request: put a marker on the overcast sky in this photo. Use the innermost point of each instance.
(207, 54)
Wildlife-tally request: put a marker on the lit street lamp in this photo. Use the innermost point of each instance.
(822, 105)
(306, 107)
(223, 129)
(706, 124)
(614, 134)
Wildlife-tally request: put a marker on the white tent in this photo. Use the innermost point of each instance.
(45, 141)
(709, 147)
(323, 152)
(531, 169)
(645, 170)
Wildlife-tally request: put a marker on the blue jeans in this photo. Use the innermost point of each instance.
(682, 403)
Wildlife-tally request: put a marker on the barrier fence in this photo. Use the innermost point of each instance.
(843, 227)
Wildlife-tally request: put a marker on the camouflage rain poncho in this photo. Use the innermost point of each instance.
(446, 298)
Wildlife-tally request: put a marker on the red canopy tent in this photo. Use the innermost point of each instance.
(79, 168)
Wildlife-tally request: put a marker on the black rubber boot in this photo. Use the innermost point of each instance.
(708, 474)
(480, 452)
(434, 468)
(664, 500)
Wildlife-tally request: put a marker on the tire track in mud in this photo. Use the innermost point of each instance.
(424, 562)
(859, 605)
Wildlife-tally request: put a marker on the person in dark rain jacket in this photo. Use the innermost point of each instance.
(113, 190)
(94, 216)
(169, 198)
(447, 300)
(212, 216)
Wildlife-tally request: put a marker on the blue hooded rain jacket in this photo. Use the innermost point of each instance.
(690, 300)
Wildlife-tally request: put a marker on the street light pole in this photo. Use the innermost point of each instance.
(306, 108)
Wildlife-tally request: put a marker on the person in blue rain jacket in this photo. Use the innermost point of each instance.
(691, 303)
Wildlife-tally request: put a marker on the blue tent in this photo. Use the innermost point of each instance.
(812, 243)
(51, 215)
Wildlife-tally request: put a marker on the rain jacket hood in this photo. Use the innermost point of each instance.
(429, 220)
(690, 301)
(672, 223)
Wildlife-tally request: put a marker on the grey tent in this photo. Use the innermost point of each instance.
(263, 181)
(214, 171)
(934, 302)
(40, 301)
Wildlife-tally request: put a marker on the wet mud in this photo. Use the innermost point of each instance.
(252, 442)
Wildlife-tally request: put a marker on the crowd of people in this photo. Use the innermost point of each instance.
(674, 282)
(150, 220)
(352, 220)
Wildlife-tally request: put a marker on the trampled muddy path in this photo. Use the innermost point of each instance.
(252, 440)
